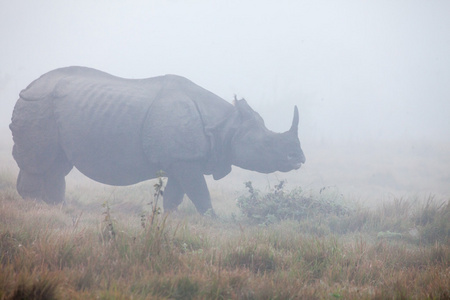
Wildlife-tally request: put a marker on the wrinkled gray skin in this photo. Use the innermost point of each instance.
(121, 131)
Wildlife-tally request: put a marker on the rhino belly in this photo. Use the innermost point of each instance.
(101, 138)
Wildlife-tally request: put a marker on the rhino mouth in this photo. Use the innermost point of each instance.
(296, 160)
(289, 166)
(298, 166)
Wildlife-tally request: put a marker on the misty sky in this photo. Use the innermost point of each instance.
(356, 69)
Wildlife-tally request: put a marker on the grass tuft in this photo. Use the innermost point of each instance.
(42, 287)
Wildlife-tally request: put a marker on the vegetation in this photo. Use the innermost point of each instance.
(295, 205)
(282, 245)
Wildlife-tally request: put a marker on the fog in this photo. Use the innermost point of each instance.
(359, 71)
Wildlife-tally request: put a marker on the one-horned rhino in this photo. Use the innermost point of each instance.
(122, 131)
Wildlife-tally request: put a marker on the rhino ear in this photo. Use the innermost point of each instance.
(244, 109)
(235, 100)
(294, 126)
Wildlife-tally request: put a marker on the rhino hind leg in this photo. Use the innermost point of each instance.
(54, 188)
(30, 185)
(49, 186)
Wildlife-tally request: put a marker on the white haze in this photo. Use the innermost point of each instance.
(369, 71)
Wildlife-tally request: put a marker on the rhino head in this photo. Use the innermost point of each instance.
(256, 148)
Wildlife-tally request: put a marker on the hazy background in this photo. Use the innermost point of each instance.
(371, 78)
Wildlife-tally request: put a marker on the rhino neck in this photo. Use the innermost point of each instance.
(221, 136)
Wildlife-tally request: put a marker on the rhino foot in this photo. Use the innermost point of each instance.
(30, 185)
(50, 189)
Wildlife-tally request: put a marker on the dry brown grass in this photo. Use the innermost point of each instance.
(60, 253)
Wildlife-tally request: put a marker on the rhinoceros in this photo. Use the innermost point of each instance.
(123, 131)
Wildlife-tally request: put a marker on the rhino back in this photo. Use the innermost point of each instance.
(100, 120)
(49, 84)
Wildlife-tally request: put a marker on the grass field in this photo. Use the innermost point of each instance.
(370, 228)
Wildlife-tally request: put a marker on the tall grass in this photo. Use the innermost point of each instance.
(75, 252)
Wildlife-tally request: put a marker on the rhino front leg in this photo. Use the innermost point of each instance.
(190, 179)
(173, 194)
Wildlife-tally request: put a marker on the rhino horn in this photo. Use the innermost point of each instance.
(294, 126)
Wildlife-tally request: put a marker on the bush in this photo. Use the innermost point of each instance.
(432, 220)
(279, 205)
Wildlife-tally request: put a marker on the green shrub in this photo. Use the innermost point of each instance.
(279, 205)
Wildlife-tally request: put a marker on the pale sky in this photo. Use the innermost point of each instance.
(356, 69)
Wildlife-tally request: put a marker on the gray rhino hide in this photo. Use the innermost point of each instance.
(117, 131)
